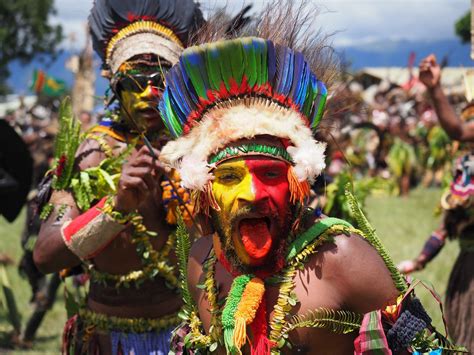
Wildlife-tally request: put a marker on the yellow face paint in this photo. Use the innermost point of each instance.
(253, 196)
(143, 107)
(232, 188)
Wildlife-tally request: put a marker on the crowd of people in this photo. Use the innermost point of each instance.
(209, 208)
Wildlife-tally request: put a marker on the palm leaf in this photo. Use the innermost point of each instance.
(183, 246)
(340, 322)
(371, 236)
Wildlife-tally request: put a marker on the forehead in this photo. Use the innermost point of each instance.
(251, 162)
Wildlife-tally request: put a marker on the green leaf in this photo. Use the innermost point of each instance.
(108, 179)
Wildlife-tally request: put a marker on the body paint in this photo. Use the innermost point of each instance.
(253, 194)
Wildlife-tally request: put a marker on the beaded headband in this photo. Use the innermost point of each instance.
(143, 37)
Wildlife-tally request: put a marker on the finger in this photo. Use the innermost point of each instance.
(146, 175)
(135, 183)
(144, 160)
(150, 181)
(145, 150)
(138, 171)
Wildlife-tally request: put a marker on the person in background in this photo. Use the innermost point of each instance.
(458, 206)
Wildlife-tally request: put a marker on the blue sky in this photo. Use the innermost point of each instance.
(355, 21)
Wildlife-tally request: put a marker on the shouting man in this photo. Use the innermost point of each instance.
(272, 275)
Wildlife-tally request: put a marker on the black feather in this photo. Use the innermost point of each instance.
(107, 17)
(239, 21)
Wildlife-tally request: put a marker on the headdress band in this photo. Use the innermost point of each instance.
(143, 37)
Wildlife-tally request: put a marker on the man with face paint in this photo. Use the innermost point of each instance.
(272, 276)
(122, 234)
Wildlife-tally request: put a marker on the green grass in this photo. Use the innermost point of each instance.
(49, 334)
(403, 224)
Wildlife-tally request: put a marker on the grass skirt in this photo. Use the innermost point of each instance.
(460, 301)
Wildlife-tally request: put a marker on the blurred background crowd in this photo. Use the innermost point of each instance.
(382, 133)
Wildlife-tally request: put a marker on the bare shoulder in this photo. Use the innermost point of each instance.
(358, 273)
(197, 256)
(90, 153)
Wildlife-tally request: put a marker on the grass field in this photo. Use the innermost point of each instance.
(402, 223)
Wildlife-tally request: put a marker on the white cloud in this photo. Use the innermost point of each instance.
(355, 21)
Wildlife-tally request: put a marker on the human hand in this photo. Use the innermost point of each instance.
(140, 176)
(408, 266)
(430, 72)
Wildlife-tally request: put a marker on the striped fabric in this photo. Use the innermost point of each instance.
(371, 339)
(91, 232)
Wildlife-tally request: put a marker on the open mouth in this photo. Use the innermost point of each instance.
(256, 237)
(149, 112)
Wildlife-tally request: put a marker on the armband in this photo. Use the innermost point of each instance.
(432, 247)
(89, 233)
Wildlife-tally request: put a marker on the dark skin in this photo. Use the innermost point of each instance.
(138, 188)
(345, 275)
(430, 76)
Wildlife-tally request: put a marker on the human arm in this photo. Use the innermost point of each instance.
(430, 76)
(51, 253)
(58, 245)
(431, 248)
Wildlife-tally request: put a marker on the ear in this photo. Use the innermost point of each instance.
(205, 223)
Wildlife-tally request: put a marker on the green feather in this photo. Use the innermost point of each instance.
(251, 61)
(236, 60)
(225, 62)
(213, 57)
(194, 71)
(262, 77)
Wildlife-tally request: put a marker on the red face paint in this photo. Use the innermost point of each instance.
(260, 187)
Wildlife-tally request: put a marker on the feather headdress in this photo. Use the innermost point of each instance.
(221, 92)
(122, 29)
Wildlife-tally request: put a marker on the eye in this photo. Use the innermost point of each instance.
(228, 178)
(272, 174)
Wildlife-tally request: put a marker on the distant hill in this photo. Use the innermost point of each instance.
(396, 53)
(376, 54)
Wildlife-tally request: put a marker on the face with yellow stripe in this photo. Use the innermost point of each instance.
(140, 87)
(254, 218)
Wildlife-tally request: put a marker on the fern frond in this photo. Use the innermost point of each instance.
(183, 246)
(67, 141)
(340, 322)
(373, 239)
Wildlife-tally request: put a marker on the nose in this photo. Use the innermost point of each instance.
(150, 92)
(246, 191)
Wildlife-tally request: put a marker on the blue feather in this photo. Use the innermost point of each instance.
(286, 78)
(297, 76)
(194, 63)
(181, 102)
(271, 62)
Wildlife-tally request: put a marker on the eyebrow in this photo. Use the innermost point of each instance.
(228, 168)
